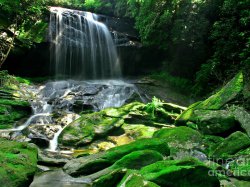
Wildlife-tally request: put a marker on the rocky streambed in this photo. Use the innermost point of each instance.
(89, 133)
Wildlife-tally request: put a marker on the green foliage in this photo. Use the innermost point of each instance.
(151, 107)
(230, 39)
(178, 83)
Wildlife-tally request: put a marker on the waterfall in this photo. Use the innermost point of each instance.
(81, 46)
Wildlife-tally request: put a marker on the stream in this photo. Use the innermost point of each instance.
(56, 104)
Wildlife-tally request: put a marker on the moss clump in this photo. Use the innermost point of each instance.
(231, 145)
(17, 163)
(179, 134)
(186, 173)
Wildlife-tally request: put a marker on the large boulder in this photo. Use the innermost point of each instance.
(17, 163)
(182, 141)
(215, 102)
(214, 121)
(176, 173)
(94, 163)
(98, 124)
(231, 145)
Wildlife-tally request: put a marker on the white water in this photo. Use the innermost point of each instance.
(82, 46)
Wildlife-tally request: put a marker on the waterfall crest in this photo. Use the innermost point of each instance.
(81, 46)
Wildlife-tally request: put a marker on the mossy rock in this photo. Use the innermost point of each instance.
(17, 163)
(134, 178)
(12, 111)
(232, 144)
(179, 173)
(94, 163)
(111, 179)
(242, 117)
(180, 139)
(217, 101)
(214, 122)
(138, 159)
(98, 124)
(210, 142)
(240, 168)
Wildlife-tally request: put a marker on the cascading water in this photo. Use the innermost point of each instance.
(81, 46)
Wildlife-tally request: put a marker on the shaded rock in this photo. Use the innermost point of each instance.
(187, 172)
(215, 102)
(94, 163)
(243, 117)
(213, 122)
(40, 141)
(51, 161)
(17, 163)
(58, 178)
(12, 111)
(231, 145)
(181, 140)
(133, 178)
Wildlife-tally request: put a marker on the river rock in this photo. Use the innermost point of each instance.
(57, 178)
(17, 163)
(175, 173)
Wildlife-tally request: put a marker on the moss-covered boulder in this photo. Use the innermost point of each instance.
(133, 178)
(241, 168)
(138, 159)
(98, 124)
(231, 145)
(180, 139)
(214, 122)
(17, 163)
(93, 163)
(217, 101)
(12, 111)
(179, 173)
(111, 179)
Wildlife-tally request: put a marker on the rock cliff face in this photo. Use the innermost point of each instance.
(134, 58)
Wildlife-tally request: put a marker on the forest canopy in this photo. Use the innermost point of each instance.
(206, 41)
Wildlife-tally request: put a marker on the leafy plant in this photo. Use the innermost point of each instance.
(151, 107)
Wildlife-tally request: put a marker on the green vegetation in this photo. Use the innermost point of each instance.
(17, 163)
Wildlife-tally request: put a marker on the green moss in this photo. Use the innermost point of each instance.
(89, 126)
(111, 179)
(17, 163)
(138, 159)
(185, 173)
(91, 164)
(231, 145)
(215, 102)
(134, 178)
(11, 111)
(180, 134)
